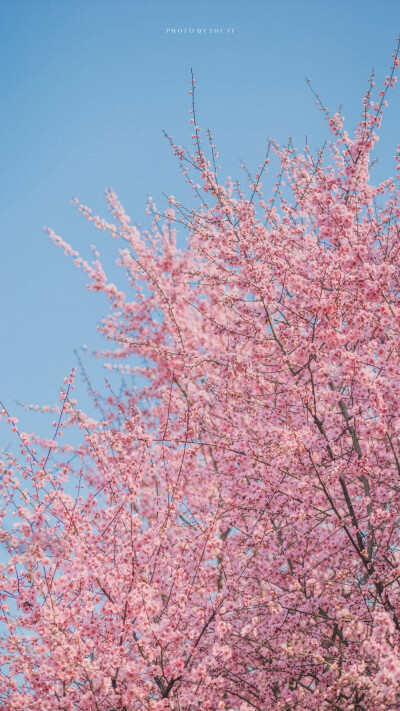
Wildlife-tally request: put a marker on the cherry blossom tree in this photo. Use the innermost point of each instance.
(226, 534)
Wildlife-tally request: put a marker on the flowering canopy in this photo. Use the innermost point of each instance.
(233, 542)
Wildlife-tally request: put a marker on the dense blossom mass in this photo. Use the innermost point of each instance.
(226, 533)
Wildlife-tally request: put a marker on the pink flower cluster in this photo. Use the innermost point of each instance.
(227, 535)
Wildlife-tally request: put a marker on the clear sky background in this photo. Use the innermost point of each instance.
(87, 87)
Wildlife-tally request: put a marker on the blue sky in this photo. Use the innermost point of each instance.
(87, 87)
